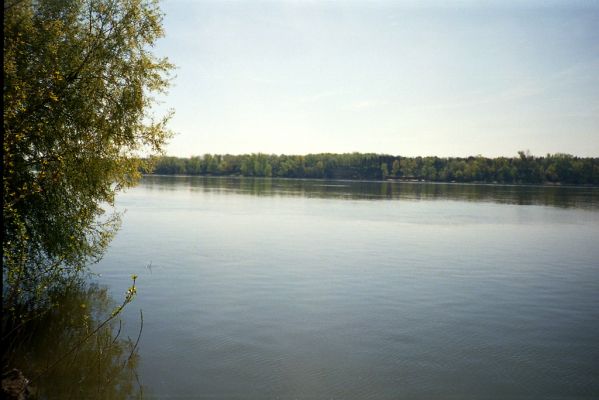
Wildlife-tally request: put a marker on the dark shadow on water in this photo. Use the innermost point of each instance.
(555, 196)
(64, 358)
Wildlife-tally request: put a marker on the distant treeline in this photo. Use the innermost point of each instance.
(525, 168)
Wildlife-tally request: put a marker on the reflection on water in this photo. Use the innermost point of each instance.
(289, 289)
(557, 196)
(103, 366)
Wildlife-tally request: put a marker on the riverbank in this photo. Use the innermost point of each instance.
(562, 169)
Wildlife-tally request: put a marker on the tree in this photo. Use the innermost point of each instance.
(79, 76)
(395, 170)
(384, 170)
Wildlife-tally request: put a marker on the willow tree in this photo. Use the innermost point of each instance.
(79, 83)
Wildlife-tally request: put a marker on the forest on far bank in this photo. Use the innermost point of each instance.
(523, 168)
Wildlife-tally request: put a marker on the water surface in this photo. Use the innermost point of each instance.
(259, 288)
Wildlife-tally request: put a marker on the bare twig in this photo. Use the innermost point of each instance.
(141, 327)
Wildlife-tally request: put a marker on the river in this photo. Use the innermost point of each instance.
(299, 289)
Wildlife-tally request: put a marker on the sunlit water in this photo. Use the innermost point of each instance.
(353, 290)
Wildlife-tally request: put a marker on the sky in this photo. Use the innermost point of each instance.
(404, 78)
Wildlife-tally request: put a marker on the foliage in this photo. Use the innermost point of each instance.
(556, 168)
(78, 82)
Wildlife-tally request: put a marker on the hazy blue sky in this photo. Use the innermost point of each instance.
(402, 78)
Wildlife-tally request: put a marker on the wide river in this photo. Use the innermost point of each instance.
(304, 289)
